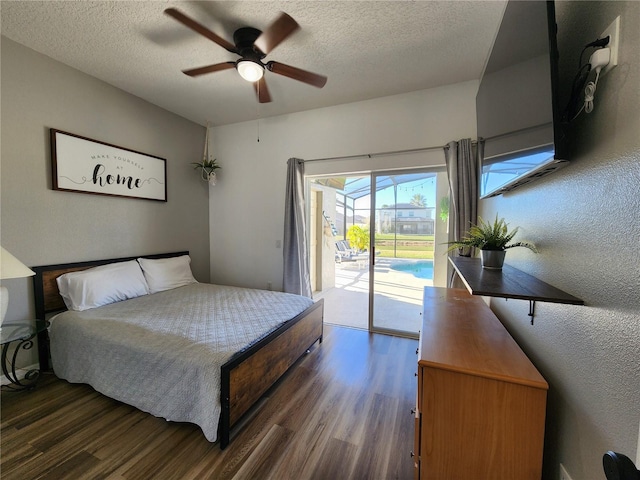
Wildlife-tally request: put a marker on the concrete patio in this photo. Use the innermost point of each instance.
(397, 299)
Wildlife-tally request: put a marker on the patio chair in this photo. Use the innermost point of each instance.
(344, 251)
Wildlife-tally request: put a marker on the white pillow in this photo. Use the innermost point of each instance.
(102, 285)
(167, 273)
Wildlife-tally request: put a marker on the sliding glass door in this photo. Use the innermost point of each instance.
(403, 213)
(373, 248)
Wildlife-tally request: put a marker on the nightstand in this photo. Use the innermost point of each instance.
(22, 334)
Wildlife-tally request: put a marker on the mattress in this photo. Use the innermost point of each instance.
(162, 353)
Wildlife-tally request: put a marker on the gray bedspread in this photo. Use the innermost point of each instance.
(162, 353)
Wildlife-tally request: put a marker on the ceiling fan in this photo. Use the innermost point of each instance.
(252, 45)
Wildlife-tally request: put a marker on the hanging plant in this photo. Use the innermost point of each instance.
(208, 166)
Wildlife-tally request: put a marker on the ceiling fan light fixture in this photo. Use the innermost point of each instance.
(249, 70)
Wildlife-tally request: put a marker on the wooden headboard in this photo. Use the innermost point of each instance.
(46, 294)
(48, 299)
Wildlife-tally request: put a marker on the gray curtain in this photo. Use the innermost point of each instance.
(296, 258)
(462, 171)
(462, 160)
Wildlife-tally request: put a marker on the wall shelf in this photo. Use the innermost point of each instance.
(508, 283)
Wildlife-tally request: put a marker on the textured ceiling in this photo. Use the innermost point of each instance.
(366, 49)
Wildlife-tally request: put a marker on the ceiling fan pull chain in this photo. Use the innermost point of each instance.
(258, 112)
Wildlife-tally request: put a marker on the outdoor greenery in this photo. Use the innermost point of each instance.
(408, 246)
(490, 236)
(358, 237)
(404, 252)
(418, 200)
(399, 237)
(444, 209)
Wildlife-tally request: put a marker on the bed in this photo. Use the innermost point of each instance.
(112, 344)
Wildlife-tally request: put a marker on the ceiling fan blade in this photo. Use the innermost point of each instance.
(275, 33)
(297, 74)
(262, 91)
(201, 29)
(194, 72)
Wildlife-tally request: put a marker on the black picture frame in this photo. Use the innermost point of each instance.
(84, 165)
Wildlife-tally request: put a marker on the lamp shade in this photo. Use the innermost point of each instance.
(11, 267)
(250, 70)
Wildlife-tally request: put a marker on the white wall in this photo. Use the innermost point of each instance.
(586, 221)
(324, 256)
(247, 206)
(41, 226)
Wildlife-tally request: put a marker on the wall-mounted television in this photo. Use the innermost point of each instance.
(517, 110)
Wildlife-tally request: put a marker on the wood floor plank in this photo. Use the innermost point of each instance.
(342, 455)
(343, 411)
(35, 407)
(400, 463)
(150, 461)
(265, 454)
(372, 460)
(15, 456)
(73, 467)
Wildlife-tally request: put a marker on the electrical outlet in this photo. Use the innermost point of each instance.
(563, 473)
(613, 31)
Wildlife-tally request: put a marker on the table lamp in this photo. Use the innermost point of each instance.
(10, 267)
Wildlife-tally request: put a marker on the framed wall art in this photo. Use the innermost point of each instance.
(80, 164)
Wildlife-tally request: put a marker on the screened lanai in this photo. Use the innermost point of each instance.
(381, 286)
(353, 195)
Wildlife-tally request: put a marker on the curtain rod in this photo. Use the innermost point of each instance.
(380, 154)
(422, 149)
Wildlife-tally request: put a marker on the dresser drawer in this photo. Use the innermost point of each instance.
(480, 402)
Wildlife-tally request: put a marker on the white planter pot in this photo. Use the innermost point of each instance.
(212, 179)
(492, 259)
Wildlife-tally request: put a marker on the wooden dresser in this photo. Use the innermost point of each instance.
(481, 403)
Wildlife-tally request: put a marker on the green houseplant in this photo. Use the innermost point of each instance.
(208, 169)
(492, 239)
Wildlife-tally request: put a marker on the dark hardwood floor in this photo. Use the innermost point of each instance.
(342, 412)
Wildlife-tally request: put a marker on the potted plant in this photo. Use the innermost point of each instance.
(492, 239)
(208, 169)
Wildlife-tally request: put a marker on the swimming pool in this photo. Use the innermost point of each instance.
(421, 269)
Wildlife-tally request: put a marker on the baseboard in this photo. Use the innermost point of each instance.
(638, 454)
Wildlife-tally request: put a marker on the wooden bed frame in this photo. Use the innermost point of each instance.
(246, 376)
